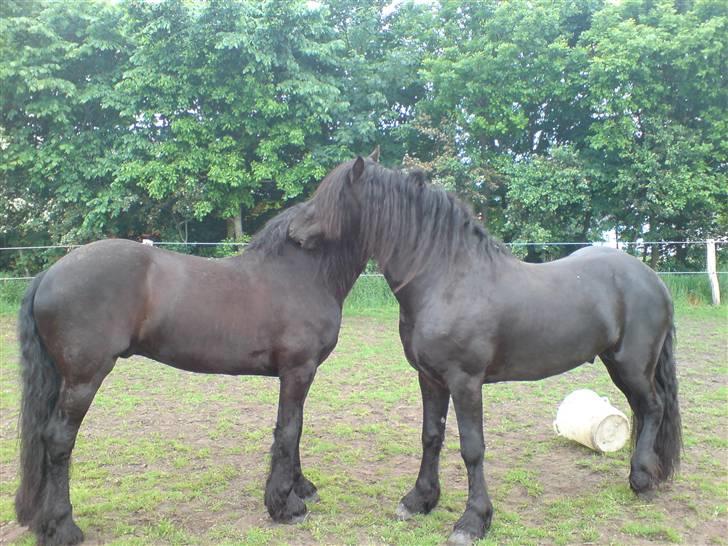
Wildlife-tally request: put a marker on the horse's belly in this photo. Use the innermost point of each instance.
(210, 348)
(215, 361)
(533, 369)
(530, 358)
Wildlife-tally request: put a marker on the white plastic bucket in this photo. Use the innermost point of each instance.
(591, 420)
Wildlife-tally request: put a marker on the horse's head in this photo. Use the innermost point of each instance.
(334, 211)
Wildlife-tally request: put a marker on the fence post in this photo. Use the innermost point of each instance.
(712, 273)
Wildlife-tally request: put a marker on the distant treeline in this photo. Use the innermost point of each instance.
(557, 119)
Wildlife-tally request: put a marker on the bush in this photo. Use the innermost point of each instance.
(11, 294)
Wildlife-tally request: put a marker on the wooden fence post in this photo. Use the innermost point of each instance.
(712, 274)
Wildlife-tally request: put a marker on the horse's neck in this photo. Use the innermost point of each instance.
(341, 278)
(416, 289)
(402, 278)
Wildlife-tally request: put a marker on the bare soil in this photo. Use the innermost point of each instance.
(156, 428)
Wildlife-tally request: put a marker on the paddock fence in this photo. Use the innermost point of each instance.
(707, 260)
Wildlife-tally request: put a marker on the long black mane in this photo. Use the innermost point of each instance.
(274, 234)
(401, 214)
(339, 263)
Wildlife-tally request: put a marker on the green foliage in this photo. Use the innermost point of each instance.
(369, 293)
(550, 198)
(656, 87)
(11, 294)
(59, 121)
(557, 119)
(232, 102)
(560, 120)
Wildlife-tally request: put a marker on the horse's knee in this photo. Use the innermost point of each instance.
(472, 452)
(59, 438)
(432, 439)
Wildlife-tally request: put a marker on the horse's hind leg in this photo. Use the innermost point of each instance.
(53, 522)
(424, 495)
(632, 369)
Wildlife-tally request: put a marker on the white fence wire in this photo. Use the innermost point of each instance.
(613, 244)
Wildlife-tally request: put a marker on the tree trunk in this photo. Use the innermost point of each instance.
(654, 256)
(25, 264)
(532, 255)
(235, 227)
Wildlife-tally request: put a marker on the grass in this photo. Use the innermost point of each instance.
(694, 289)
(166, 457)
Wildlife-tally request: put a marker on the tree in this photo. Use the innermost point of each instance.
(508, 85)
(557, 120)
(657, 93)
(58, 121)
(233, 103)
(550, 199)
(379, 74)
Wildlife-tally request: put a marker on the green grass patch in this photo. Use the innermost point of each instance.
(652, 532)
(167, 457)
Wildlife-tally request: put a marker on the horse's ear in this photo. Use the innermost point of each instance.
(374, 156)
(357, 169)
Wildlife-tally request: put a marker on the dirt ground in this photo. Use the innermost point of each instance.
(177, 458)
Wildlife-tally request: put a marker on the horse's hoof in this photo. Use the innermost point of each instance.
(461, 538)
(305, 490)
(402, 513)
(295, 520)
(66, 533)
(641, 483)
(648, 494)
(313, 497)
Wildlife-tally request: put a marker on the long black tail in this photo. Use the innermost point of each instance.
(41, 386)
(668, 444)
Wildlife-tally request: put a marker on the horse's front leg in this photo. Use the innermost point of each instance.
(467, 399)
(424, 495)
(283, 503)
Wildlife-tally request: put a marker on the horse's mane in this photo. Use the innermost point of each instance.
(402, 214)
(274, 234)
(339, 263)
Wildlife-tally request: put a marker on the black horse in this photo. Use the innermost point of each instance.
(275, 310)
(471, 313)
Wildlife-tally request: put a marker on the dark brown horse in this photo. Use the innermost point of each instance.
(274, 310)
(471, 313)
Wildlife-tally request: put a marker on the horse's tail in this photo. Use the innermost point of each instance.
(41, 385)
(668, 444)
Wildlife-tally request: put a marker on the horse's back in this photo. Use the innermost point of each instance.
(636, 281)
(579, 307)
(92, 275)
(621, 288)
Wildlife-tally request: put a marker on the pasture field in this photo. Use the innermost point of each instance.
(168, 457)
